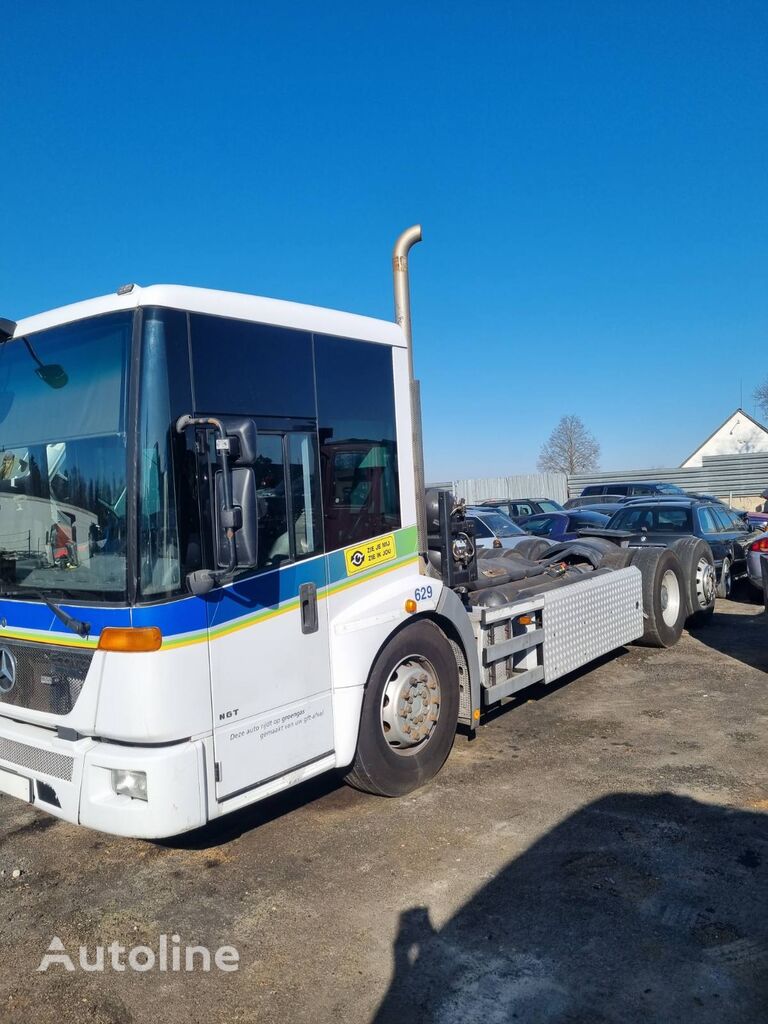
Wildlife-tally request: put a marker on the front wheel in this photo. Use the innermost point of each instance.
(409, 715)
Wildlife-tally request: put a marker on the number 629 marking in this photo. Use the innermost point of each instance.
(422, 593)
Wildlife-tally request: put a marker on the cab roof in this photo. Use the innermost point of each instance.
(235, 305)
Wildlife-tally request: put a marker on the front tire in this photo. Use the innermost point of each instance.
(410, 713)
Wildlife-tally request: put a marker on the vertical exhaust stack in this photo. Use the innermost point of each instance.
(403, 246)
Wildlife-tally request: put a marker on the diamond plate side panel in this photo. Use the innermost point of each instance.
(589, 619)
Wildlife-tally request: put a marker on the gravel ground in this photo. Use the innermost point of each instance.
(598, 854)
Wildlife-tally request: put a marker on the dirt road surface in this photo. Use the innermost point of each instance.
(598, 854)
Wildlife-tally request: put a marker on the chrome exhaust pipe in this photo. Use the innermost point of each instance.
(403, 246)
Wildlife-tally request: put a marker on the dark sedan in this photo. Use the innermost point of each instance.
(562, 526)
(663, 520)
(520, 508)
(589, 500)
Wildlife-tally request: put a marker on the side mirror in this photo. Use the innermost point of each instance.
(235, 501)
(53, 375)
(245, 505)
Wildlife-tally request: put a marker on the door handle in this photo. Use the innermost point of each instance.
(308, 606)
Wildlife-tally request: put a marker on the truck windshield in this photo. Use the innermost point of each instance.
(63, 459)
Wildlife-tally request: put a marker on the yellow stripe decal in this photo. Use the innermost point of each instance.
(188, 639)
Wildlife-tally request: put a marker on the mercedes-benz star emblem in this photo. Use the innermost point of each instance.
(7, 670)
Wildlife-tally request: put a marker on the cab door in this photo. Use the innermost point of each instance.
(268, 631)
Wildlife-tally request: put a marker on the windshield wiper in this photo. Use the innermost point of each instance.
(76, 625)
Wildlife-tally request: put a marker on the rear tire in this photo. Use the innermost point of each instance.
(699, 570)
(665, 602)
(400, 746)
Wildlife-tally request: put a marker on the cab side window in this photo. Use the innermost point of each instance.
(271, 495)
(304, 494)
(287, 488)
(358, 441)
(272, 378)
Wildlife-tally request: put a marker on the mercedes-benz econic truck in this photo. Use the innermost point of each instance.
(220, 574)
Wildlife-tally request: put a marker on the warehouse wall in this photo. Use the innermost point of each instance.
(739, 478)
(723, 475)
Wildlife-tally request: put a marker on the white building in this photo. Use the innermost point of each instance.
(740, 434)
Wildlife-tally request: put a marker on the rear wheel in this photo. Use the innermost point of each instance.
(699, 570)
(409, 715)
(664, 596)
(726, 580)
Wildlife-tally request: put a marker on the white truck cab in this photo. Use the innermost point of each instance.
(214, 571)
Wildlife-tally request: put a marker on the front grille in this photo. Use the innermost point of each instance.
(47, 677)
(44, 761)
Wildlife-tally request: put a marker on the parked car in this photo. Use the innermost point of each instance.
(663, 520)
(633, 488)
(758, 547)
(561, 526)
(605, 508)
(703, 496)
(588, 500)
(494, 529)
(519, 508)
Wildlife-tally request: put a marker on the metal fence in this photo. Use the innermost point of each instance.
(525, 485)
(722, 475)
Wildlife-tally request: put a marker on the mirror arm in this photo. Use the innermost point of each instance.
(205, 579)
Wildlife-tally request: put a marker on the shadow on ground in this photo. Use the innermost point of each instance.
(637, 908)
(739, 630)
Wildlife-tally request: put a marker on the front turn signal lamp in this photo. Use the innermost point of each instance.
(130, 640)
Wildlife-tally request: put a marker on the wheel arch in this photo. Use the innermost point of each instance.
(451, 618)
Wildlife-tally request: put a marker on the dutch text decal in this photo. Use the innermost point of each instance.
(370, 553)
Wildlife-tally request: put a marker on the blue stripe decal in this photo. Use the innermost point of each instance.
(263, 592)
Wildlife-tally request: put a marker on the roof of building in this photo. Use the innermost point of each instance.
(736, 412)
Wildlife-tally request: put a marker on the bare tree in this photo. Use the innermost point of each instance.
(570, 449)
(761, 397)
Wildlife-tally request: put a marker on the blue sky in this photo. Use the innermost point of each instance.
(591, 178)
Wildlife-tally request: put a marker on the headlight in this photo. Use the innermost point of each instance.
(132, 784)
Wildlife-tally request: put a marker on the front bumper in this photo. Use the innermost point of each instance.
(73, 780)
